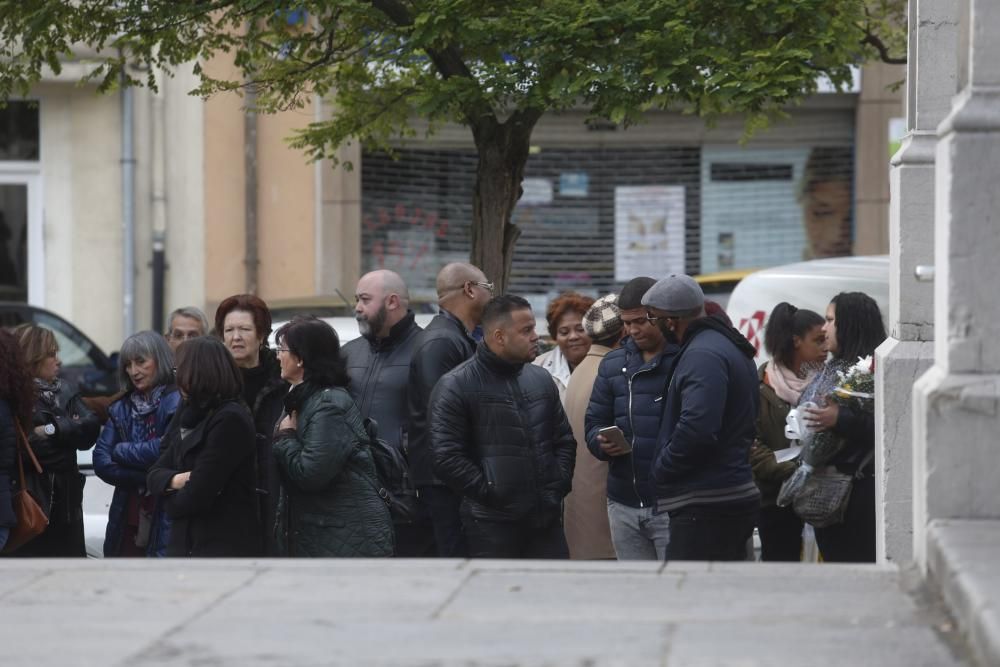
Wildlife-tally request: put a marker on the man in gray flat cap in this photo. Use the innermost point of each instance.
(701, 468)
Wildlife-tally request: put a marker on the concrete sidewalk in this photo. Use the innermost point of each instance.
(468, 613)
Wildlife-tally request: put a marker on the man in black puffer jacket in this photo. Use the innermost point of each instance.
(702, 465)
(463, 293)
(379, 366)
(501, 440)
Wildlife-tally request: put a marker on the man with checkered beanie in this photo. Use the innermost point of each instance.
(628, 393)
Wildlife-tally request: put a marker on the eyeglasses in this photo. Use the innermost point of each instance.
(281, 349)
(182, 335)
(656, 318)
(487, 286)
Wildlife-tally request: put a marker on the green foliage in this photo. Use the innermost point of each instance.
(470, 61)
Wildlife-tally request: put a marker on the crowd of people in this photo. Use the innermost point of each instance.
(645, 432)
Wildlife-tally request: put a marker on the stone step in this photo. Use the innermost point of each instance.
(962, 562)
(470, 613)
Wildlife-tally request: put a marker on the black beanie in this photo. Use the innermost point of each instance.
(631, 295)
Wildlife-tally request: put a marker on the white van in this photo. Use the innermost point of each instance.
(808, 285)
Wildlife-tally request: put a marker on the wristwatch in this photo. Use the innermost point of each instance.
(50, 429)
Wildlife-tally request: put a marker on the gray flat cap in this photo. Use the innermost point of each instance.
(675, 294)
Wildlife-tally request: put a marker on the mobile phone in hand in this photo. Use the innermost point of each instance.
(615, 435)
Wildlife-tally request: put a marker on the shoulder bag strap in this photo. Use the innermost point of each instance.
(23, 441)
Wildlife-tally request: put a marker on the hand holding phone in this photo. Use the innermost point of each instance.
(613, 441)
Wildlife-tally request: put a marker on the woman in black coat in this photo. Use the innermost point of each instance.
(61, 425)
(244, 322)
(206, 472)
(16, 400)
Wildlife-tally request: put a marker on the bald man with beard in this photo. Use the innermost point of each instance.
(379, 366)
(463, 292)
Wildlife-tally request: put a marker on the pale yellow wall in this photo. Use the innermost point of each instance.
(224, 246)
(876, 105)
(286, 200)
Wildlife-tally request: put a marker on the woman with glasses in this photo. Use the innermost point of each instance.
(130, 443)
(61, 425)
(244, 322)
(206, 474)
(565, 320)
(329, 503)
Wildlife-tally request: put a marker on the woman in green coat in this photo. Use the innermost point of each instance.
(794, 339)
(328, 504)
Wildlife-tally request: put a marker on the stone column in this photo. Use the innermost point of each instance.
(957, 402)
(931, 82)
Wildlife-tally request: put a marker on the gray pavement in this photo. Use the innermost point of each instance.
(468, 614)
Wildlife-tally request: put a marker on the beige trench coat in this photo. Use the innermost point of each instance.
(586, 510)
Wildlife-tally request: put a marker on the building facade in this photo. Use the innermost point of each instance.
(90, 185)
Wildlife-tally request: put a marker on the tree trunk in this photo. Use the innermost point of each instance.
(503, 154)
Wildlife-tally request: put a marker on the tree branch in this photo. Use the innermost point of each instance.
(883, 51)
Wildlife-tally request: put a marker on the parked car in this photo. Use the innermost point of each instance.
(84, 365)
(346, 327)
(809, 285)
(88, 370)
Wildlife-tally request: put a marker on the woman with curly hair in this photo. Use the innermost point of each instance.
(852, 331)
(17, 397)
(565, 319)
(61, 425)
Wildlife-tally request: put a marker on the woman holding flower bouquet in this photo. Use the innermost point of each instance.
(794, 340)
(844, 422)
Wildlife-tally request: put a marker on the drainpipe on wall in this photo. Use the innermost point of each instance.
(158, 196)
(252, 258)
(128, 208)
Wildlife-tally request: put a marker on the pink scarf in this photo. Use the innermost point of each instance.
(786, 384)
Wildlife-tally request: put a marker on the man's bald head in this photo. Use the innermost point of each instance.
(464, 292)
(386, 281)
(381, 300)
(454, 276)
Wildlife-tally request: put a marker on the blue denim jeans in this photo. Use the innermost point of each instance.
(637, 533)
(4, 534)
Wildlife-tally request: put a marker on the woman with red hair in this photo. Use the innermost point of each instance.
(565, 319)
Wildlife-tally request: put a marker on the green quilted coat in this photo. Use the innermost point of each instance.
(329, 504)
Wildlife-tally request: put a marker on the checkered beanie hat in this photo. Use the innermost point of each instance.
(603, 319)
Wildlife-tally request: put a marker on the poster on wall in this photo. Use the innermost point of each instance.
(649, 231)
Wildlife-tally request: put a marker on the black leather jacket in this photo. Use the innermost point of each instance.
(501, 439)
(379, 370)
(439, 348)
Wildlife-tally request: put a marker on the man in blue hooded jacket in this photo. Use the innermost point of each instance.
(628, 393)
(701, 468)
